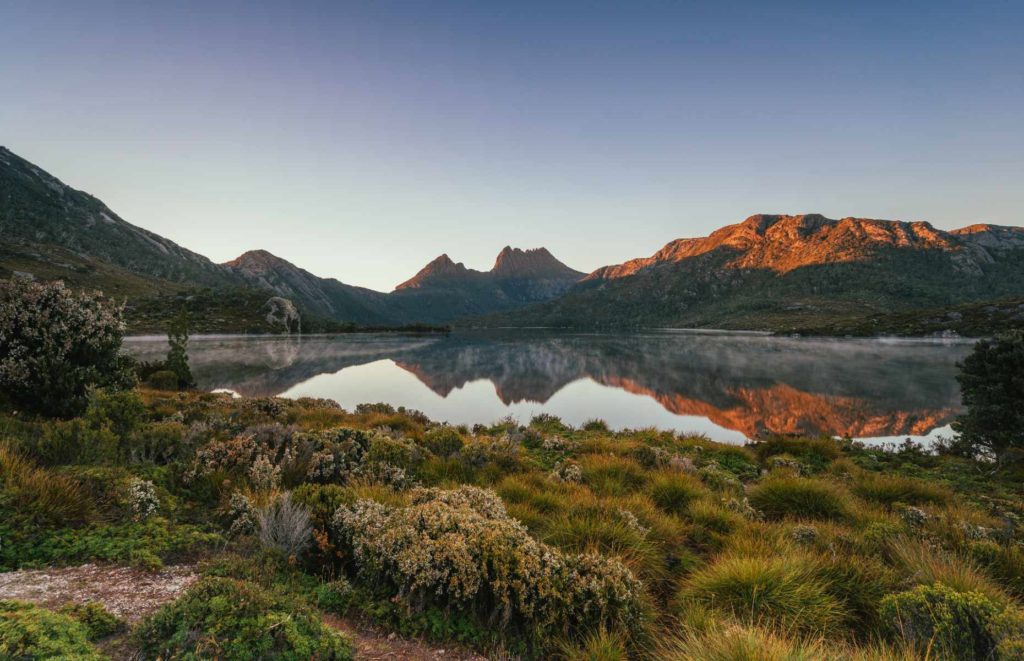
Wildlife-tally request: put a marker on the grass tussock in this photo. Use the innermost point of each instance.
(785, 496)
(891, 489)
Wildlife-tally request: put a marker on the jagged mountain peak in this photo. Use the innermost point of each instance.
(440, 269)
(532, 263)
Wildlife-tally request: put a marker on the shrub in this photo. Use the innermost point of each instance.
(233, 619)
(55, 345)
(31, 632)
(443, 441)
(951, 624)
(782, 590)
(142, 499)
(460, 549)
(99, 622)
(891, 489)
(284, 526)
(335, 597)
(177, 353)
(783, 496)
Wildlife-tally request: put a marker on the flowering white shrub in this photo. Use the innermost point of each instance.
(242, 514)
(56, 344)
(263, 475)
(503, 451)
(142, 499)
(461, 549)
(567, 471)
(558, 444)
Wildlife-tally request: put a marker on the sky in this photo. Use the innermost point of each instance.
(360, 140)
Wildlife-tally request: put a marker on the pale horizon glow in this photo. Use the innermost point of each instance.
(360, 140)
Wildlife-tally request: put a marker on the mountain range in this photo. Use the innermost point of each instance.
(781, 272)
(769, 272)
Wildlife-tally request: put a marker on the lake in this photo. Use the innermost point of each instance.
(729, 386)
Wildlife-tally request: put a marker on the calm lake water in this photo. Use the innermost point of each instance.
(729, 386)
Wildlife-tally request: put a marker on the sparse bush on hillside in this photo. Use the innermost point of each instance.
(55, 345)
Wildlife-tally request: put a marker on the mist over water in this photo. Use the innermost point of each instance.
(729, 386)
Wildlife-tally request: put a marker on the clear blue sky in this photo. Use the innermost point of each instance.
(362, 139)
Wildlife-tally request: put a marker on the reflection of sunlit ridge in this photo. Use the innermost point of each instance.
(782, 409)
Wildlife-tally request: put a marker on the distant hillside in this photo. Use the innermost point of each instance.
(777, 272)
(324, 297)
(37, 208)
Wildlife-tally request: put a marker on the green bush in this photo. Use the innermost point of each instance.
(31, 632)
(97, 620)
(55, 345)
(443, 441)
(231, 619)
(787, 496)
(951, 624)
(335, 596)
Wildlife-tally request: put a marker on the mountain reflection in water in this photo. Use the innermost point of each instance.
(727, 385)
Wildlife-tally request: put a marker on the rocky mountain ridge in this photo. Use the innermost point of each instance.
(784, 272)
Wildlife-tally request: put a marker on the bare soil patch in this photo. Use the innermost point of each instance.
(127, 592)
(378, 645)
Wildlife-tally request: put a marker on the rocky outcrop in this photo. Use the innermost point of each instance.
(282, 315)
